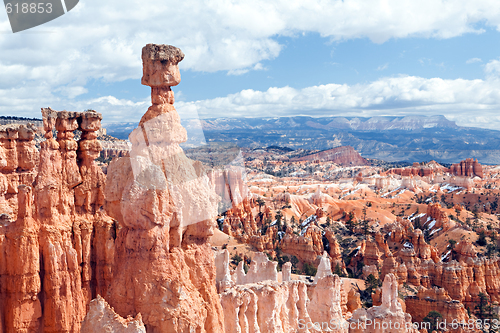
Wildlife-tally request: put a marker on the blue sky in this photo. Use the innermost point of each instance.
(264, 58)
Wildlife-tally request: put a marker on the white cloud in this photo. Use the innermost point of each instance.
(473, 60)
(456, 99)
(468, 102)
(103, 39)
(257, 67)
(492, 68)
(71, 92)
(382, 67)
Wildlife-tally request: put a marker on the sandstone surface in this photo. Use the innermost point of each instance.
(165, 206)
(377, 318)
(102, 318)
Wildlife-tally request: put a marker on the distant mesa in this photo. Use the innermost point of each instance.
(407, 123)
(381, 123)
(345, 156)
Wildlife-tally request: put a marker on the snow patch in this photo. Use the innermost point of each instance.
(444, 256)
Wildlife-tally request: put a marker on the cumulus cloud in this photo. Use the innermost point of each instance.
(468, 102)
(492, 69)
(387, 96)
(102, 40)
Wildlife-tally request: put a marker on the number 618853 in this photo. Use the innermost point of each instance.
(29, 8)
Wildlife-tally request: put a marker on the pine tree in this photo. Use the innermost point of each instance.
(433, 317)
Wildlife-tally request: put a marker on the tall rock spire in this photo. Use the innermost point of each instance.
(165, 207)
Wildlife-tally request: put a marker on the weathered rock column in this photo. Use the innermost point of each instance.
(165, 207)
(64, 304)
(390, 311)
(89, 195)
(18, 157)
(66, 124)
(20, 282)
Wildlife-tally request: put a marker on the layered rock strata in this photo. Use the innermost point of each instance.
(18, 161)
(436, 299)
(469, 168)
(49, 268)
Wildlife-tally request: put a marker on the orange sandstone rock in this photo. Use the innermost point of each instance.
(389, 311)
(165, 205)
(436, 299)
(48, 269)
(102, 318)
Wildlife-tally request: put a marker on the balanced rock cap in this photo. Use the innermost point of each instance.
(162, 52)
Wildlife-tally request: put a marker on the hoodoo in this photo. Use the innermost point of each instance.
(165, 207)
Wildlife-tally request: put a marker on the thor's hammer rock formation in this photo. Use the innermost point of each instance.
(165, 207)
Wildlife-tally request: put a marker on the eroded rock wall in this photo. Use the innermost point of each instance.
(49, 269)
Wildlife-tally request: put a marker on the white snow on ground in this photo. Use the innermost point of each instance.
(450, 188)
(434, 231)
(350, 193)
(431, 225)
(416, 217)
(308, 220)
(408, 245)
(386, 194)
(263, 180)
(444, 256)
(402, 191)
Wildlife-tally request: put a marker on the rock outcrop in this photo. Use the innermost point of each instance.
(261, 269)
(469, 168)
(58, 254)
(435, 299)
(436, 219)
(102, 318)
(165, 205)
(284, 307)
(223, 277)
(387, 317)
(324, 268)
(18, 161)
(465, 250)
(306, 247)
